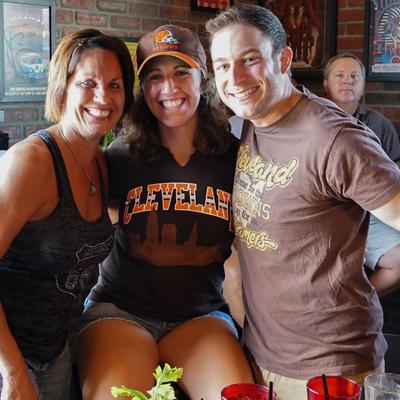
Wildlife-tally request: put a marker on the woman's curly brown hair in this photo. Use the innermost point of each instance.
(212, 136)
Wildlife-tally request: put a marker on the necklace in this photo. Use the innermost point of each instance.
(92, 186)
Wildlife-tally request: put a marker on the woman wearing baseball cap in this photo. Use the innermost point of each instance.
(159, 297)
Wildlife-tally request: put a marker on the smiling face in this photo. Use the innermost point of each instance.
(95, 95)
(250, 81)
(172, 92)
(345, 84)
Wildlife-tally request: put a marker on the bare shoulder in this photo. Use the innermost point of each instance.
(26, 161)
(27, 180)
(27, 183)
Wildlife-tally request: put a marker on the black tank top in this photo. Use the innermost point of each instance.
(48, 265)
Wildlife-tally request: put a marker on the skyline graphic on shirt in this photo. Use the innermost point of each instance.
(161, 248)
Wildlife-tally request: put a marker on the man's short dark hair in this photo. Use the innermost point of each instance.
(259, 17)
(328, 66)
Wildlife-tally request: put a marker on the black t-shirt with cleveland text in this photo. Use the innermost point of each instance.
(174, 234)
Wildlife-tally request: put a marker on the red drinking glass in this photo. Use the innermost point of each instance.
(246, 391)
(339, 388)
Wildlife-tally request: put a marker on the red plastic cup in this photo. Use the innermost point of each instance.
(339, 388)
(246, 391)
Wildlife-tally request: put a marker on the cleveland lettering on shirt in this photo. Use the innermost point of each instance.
(217, 202)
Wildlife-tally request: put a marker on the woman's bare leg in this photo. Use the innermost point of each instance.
(114, 352)
(210, 355)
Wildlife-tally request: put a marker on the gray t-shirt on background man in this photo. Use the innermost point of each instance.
(383, 128)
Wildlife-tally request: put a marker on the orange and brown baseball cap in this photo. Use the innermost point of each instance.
(171, 40)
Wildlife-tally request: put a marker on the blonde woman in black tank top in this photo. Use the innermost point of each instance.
(54, 226)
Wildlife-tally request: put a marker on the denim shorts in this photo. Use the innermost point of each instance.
(158, 328)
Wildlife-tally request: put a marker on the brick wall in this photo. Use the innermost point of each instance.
(132, 18)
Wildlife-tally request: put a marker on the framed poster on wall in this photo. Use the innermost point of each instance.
(382, 40)
(27, 32)
(211, 5)
(310, 27)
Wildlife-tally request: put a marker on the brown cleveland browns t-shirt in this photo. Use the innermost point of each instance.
(300, 191)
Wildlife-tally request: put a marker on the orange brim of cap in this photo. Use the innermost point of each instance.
(188, 60)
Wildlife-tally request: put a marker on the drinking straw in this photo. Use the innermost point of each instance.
(271, 390)
(325, 387)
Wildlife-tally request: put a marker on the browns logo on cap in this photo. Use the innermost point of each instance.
(171, 40)
(165, 37)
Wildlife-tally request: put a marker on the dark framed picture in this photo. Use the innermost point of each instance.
(27, 32)
(382, 40)
(211, 5)
(310, 27)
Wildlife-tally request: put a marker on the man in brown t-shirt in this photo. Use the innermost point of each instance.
(306, 174)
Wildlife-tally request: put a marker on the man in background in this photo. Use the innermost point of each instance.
(344, 83)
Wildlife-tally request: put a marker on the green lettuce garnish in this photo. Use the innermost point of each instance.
(162, 390)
